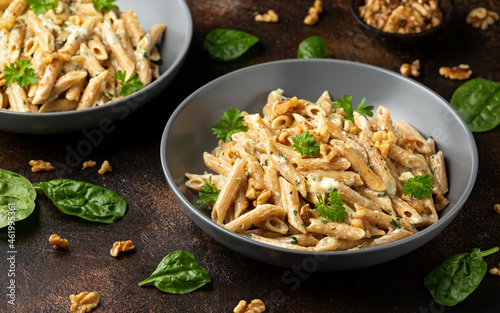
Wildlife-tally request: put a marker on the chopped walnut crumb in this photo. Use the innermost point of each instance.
(313, 13)
(121, 246)
(481, 18)
(412, 69)
(105, 167)
(84, 302)
(40, 165)
(496, 207)
(459, 72)
(57, 241)
(495, 270)
(269, 17)
(256, 306)
(88, 163)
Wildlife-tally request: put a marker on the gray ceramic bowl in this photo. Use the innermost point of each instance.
(174, 47)
(187, 135)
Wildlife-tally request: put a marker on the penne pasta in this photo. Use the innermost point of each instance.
(343, 189)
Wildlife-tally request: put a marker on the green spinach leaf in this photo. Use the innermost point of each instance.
(478, 102)
(457, 277)
(17, 197)
(90, 202)
(313, 48)
(228, 44)
(178, 273)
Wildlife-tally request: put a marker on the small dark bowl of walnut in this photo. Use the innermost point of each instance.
(410, 19)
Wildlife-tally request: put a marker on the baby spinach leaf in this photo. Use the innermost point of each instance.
(457, 277)
(313, 48)
(478, 102)
(178, 273)
(90, 202)
(17, 196)
(228, 44)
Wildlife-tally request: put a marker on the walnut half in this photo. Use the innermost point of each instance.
(412, 69)
(84, 302)
(269, 17)
(459, 72)
(40, 165)
(57, 241)
(481, 18)
(256, 306)
(121, 246)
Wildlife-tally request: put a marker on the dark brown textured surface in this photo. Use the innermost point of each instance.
(155, 223)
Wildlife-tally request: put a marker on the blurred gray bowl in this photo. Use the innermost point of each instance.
(174, 47)
(187, 135)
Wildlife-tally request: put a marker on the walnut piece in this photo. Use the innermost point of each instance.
(121, 246)
(412, 69)
(88, 163)
(313, 13)
(495, 270)
(481, 18)
(401, 16)
(40, 165)
(105, 167)
(57, 241)
(84, 302)
(496, 207)
(269, 17)
(256, 306)
(459, 72)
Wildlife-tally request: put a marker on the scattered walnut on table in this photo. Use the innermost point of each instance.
(105, 167)
(84, 302)
(313, 13)
(40, 165)
(256, 306)
(88, 163)
(459, 72)
(121, 246)
(57, 241)
(481, 18)
(496, 207)
(495, 270)
(269, 17)
(412, 69)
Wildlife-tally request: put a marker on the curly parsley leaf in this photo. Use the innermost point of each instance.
(208, 192)
(231, 123)
(346, 104)
(20, 72)
(419, 187)
(42, 6)
(305, 144)
(333, 210)
(106, 5)
(130, 85)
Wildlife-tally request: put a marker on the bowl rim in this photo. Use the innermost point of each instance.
(442, 221)
(446, 20)
(178, 60)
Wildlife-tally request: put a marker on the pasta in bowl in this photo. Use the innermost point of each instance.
(318, 180)
(67, 66)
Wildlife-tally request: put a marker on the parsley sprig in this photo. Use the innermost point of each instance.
(106, 5)
(346, 105)
(231, 123)
(208, 192)
(419, 187)
(305, 144)
(42, 6)
(20, 72)
(333, 210)
(131, 85)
